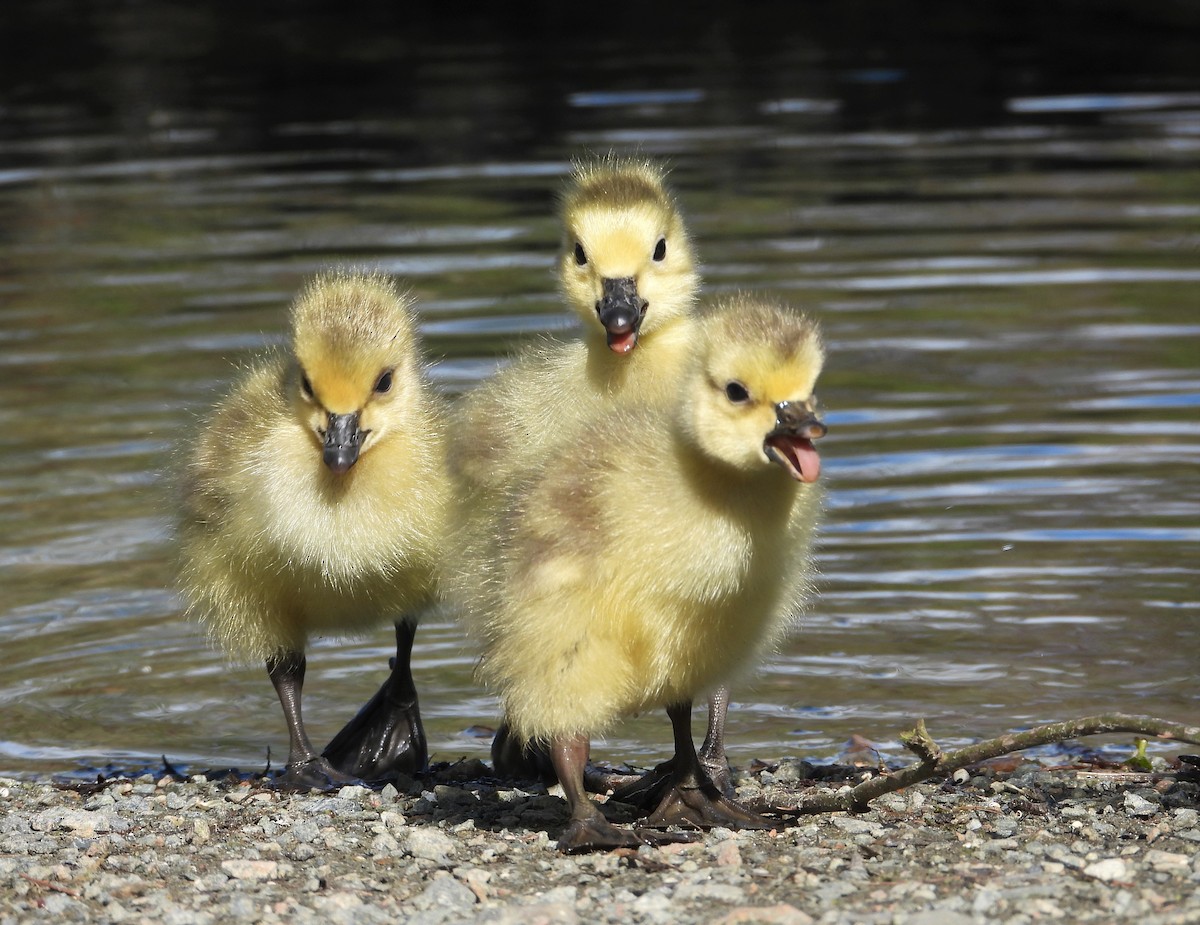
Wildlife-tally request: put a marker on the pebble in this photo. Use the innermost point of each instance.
(250, 869)
(1108, 870)
(430, 844)
(1136, 805)
(446, 893)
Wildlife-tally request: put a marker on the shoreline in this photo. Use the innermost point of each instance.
(1025, 844)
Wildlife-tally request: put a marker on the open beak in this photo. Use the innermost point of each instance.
(343, 440)
(789, 444)
(621, 311)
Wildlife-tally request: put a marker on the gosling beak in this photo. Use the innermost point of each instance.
(790, 443)
(343, 440)
(621, 311)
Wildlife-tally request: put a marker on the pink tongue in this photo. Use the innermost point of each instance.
(622, 343)
(806, 464)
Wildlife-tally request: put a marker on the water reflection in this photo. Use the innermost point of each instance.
(1005, 266)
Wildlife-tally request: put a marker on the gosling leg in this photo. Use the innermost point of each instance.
(386, 737)
(694, 800)
(712, 752)
(305, 768)
(587, 829)
(646, 791)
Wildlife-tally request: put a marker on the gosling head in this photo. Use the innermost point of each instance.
(751, 396)
(354, 363)
(626, 265)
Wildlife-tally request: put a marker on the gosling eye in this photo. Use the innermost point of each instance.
(306, 386)
(737, 393)
(660, 250)
(580, 256)
(384, 384)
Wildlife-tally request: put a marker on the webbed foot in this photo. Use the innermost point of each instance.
(314, 774)
(385, 738)
(595, 834)
(582, 835)
(645, 791)
(704, 807)
(513, 759)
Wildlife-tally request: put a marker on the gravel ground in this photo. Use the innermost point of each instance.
(1029, 844)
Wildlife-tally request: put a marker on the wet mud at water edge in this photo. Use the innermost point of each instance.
(997, 223)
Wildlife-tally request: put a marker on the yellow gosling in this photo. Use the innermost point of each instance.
(652, 554)
(315, 502)
(626, 268)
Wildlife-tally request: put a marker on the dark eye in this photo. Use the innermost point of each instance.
(736, 393)
(306, 386)
(660, 249)
(385, 383)
(580, 256)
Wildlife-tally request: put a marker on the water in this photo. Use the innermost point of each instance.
(1004, 258)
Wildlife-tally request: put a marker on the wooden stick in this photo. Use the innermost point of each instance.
(48, 885)
(933, 762)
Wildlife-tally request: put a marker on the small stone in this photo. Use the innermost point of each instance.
(854, 826)
(1108, 870)
(1004, 827)
(306, 830)
(1138, 806)
(1185, 819)
(654, 906)
(728, 854)
(446, 893)
(476, 881)
(383, 846)
(431, 844)
(240, 869)
(1167, 861)
(352, 792)
(828, 892)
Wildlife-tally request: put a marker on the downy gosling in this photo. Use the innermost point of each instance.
(315, 499)
(653, 554)
(626, 268)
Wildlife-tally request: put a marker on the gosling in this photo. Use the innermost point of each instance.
(626, 268)
(652, 555)
(315, 499)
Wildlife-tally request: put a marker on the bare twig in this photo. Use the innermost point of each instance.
(50, 885)
(935, 763)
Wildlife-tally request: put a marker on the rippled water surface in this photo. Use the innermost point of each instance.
(1009, 281)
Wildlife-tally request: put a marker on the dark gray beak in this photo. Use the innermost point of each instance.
(789, 444)
(343, 440)
(621, 311)
(797, 419)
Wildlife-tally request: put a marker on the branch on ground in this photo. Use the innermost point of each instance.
(933, 762)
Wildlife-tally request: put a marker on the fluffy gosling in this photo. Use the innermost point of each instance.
(651, 555)
(626, 268)
(315, 500)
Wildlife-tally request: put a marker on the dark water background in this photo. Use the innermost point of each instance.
(995, 212)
